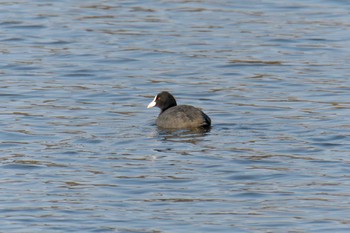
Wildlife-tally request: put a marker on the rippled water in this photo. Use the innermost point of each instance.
(81, 153)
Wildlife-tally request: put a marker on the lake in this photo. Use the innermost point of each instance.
(80, 152)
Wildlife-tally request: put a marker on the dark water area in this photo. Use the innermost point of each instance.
(80, 152)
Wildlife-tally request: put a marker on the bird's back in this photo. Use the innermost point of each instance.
(183, 116)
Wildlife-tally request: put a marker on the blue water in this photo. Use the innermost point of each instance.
(80, 151)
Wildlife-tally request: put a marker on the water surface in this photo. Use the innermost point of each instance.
(81, 153)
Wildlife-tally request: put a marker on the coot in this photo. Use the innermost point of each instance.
(177, 116)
